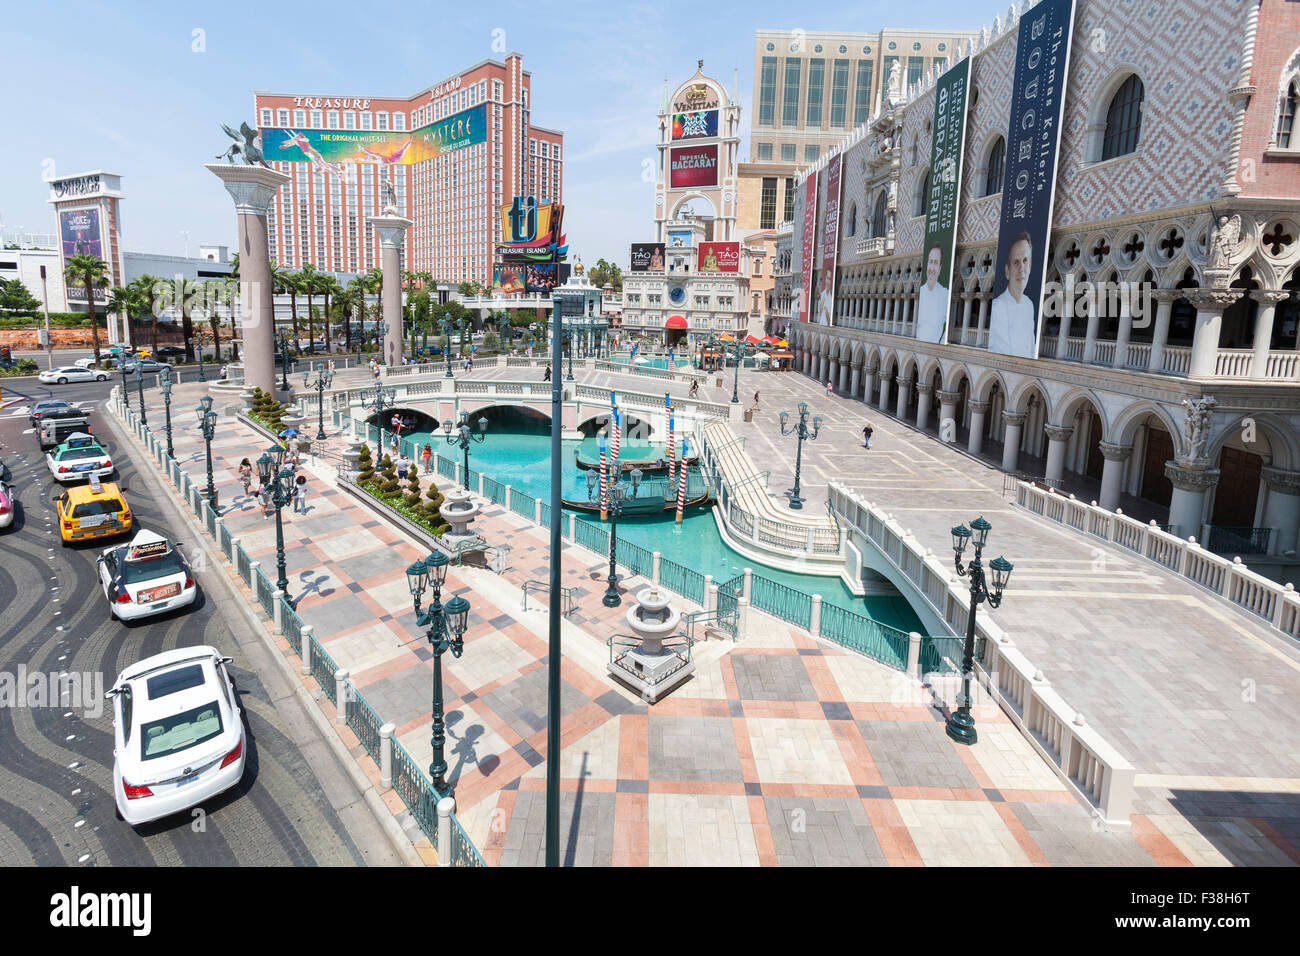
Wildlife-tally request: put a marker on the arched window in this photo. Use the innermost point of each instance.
(922, 203)
(1123, 120)
(851, 220)
(880, 217)
(997, 168)
(1286, 118)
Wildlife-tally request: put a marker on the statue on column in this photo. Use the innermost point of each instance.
(1223, 243)
(1196, 425)
(389, 196)
(250, 150)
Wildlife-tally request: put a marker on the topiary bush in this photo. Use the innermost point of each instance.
(365, 466)
(389, 484)
(412, 496)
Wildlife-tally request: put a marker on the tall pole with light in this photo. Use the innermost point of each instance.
(208, 426)
(324, 378)
(139, 384)
(284, 362)
(617, 495)
(276, 476)
(446, 325)
(735, 387)
(378, 398)
(800, 429)
(196, 342)
(961, 725)
(167, 406)
(462, 437)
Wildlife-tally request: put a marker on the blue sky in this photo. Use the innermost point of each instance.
(120, 88)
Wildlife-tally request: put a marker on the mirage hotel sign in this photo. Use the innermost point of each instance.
(77, 187)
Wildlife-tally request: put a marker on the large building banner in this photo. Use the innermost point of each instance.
(1028, 191)
(943, 203)
(79, 232)
(830, 243)
(809, 242)
(327, 149)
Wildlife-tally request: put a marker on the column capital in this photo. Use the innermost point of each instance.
(886, 376)
(977, 407)
(1269, 297)
(1014, 418)
(391, 229)
(926, 389)
(949, 398)
(1059, 432)
(1113, 452)
(1283, 482)
(905, 382)
(1186, 477)
(252, 187)
(1212, 300)
(871, 369)
(1167, 295)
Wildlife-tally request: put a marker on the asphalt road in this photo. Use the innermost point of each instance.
(295, 804)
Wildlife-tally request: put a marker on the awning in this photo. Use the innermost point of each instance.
(675, 322)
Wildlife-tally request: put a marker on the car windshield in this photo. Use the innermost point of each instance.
(133, 572)
(171, 735)
(100, 506)
(175, 680)
(51, 406)
(85, 451)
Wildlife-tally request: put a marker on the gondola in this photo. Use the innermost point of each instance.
(657, 467)
(633, 507)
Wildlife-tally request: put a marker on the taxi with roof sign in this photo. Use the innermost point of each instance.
(96, 510)
(146, 576)
(78, 458)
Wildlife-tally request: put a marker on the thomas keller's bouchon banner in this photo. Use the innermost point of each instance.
(1033, 138)
(809, 241)
(830, 243)
(933, 301)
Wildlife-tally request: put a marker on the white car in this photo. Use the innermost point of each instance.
(178, 733)
(78, 458)
(145, 576)
(72, 373)
(7, 502)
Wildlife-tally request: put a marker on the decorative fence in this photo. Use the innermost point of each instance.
(685, 581)
(781, 601)
(859, 632)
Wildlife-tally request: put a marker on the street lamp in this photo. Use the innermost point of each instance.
(735, 386)
(446, 631)
(961, 725)
(324, 378)
(445, 324)
(378, 398)
(284, 362)
(801, 429)
(617, 493)
(139, 382)
(463, 436)
(197, 343)
(278, 478)
(167, 406)
(568, 344)
(208, 425)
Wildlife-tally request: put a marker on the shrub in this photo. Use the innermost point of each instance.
(365, 466)
(412, 496)
(388, 484)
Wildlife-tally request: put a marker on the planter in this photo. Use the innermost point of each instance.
(458, 510)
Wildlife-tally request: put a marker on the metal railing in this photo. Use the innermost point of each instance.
(781, 601)
(568, 603)
(323, 669)
(523, 505)
(416, 791)
(942, 653)
(1012, 478)
(679, 645)
(635, 558)
(591, 537)
(864, 635)
(1225, 539)
(685, 581)
(463, 851)
(493, 490)
(362, 720)
(722, 621)
(265, 593)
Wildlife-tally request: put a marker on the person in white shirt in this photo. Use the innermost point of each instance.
(1011, 319)
(932, 301)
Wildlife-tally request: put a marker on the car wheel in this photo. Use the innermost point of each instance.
(101, 378)
(63, 381)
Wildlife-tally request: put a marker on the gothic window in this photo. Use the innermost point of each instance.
(1123, 120)
(996, 168)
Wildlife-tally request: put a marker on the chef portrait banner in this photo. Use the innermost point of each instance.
(943, 203)
(830, 243)
(1029, 185)
(809, 242)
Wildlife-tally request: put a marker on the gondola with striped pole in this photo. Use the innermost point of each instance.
(681, 486)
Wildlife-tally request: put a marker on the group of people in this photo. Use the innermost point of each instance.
(292, 448)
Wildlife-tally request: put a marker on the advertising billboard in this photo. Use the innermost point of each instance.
(326, 149)
(809, 241)
(531, 230)
(508, 278)
(1029, 186)
(699, 124)
(79, 232)
(544, 276)
(647, 257)
(718, 257)
(949, 126)
(691, 166)
(830, 243)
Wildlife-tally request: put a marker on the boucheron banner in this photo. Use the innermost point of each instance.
(943, 203)
(1029, 186)
(809, 241)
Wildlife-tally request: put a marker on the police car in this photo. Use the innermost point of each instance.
(178, 733)
(144, 577)
(78, 458)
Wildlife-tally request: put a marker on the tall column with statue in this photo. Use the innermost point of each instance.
(391, 227)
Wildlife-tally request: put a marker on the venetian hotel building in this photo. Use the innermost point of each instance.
(319, 216)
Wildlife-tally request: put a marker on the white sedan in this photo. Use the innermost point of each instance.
(78, 458)
(178, 733)
(72, 373)
(146, 576)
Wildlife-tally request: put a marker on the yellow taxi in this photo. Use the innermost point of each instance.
(96, 510)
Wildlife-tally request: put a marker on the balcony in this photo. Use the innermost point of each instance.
(879, 246)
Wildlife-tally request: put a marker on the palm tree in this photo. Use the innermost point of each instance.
(92, 273)
(310, 277)
(145, 296)
(234, 266)
(291, 283)
(345, 300)
(375, 286)
(125, 301)
(186, 289)
(214, 294)
(329, 286)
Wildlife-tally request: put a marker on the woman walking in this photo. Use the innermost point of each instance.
(246, 475)
(300, 495)
(427, 455)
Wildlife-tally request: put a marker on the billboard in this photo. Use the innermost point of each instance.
(508, 278)
(1029, 186)
(680, 237)
(326, 149)
(647, 257)
(699, 124)
(544, 276)
(830, 243)
(809, 241)
(718, 257)
(79, 232)
(691, 166)
(532, 230)
(949, 126)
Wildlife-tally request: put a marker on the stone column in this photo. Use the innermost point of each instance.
(834, 373)
(844, 376)
(1125, 333)
(975, 445)
(1063, 333)
(1090, 336)
(392, 235)
(884, 391)
(1191, 481)
(948, 413)
(253, 188)
(1282, 512)
(904, 397)
(1011, 439)
(986, 302)
(924, 394)
(1058, 437)
(1264, 329)
(869, 386)
(966, 338)
(1210, 304)
(1160, 334)
(855, 380)
(1112, 473)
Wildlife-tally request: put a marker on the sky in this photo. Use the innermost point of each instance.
(141, 89)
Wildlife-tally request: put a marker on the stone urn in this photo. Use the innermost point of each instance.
(247, 399)
(293, 417)
(650, 668)
(652, 618)
(458, 509)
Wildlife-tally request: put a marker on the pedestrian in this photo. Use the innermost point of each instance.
(829, 390)
(300, 495)
(547, 376)
(866, 436)
(224, 373)
(246, 474)
(755, 400)
(427, 455)
(395, 444)
(403, 465)
(264, 493)
(295, 451)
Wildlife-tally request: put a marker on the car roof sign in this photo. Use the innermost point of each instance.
(147, 544)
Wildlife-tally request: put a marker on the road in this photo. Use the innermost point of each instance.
(293, 806)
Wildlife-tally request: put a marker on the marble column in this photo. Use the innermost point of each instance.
(981, 336)
(1011, 439)
(834, 373)
(884, 391)
(392, 236)
(855, 380)
(1112, 473)
(1125, 333)
(975, 444)
(948, 423)
(1090, 336)
(1264, 329)
(925, 393)
(844, 377)
(904, 397)
(253, 189)
(1063, 333)
(1210, 304)
(1191, 481)
(966, 337)
(1165, 299)
(1282, 512)
(1058, 437)
(869, 386)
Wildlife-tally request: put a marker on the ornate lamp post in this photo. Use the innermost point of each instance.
(445, 631)
(735, 386)
(139, 384)
(568, 343)
(284, 363)
(617, 494)
(324, 378)
(121, 367)
(197, 343)
(208, 425)
(167, 407)
(961, 725)
(378, 398)
(800, 429)
(463, 436)
(445, 324)
(273, 474)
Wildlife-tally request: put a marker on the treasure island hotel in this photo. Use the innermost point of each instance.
(472, 146)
